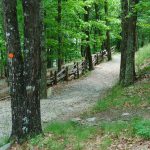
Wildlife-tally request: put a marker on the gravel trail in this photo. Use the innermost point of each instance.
(69, 100)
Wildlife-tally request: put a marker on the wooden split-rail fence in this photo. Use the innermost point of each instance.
(68, 72)
(73, 71)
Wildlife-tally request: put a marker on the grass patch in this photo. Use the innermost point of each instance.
(115, 127)
(63, 135)
(4, 141)
(106, 142)
(135, 127)
(145, 70)
(80, 132)
(142, 55)
(106, 103)
(118, 98)
(60, 134)
(142, 128)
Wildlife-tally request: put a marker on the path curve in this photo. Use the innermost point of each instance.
(69, 100)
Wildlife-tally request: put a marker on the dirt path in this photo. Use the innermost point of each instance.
(68, 100)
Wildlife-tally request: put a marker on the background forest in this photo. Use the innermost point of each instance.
(65, 25)
(40, 38)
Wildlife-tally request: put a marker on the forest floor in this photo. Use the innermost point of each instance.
(69, 99)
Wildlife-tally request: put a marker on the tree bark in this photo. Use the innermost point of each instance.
(32, 68)
(59, 20)
(88, 54)
(132, 44)
(82, 49)
(107, 42)
(96, 30)
(15, 67)
(123, 47)
(43, 82)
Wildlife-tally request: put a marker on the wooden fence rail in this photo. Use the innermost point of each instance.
(69, 72)
(74, 71)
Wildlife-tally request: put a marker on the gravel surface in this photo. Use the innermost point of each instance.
(70, 99)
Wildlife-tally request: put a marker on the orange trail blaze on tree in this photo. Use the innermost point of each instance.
(11, 55)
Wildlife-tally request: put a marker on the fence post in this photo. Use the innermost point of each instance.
(51, 74)
(83, 67)
(55, 77)
(66, 76)
(102, 55)
(77, 70)
(97, 62)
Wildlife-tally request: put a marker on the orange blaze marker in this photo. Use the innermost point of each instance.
(11, 55)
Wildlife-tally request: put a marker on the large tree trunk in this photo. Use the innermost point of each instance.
(43, 83)
(88, 54)
(15, 66)
(132, 44)
(123, 47)
(32, 69)
(107, 42)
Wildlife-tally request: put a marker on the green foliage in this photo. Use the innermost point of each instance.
(142, 128)
(2, 45)
(72, 27)
(142, 55)
(144, 22)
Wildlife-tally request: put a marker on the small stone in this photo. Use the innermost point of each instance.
(91, 119)
(148, 108)
(125, 114)
(76, 119)
(70, 109)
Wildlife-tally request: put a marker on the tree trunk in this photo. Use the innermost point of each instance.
(32, 68)
(132, 45)
(88, 54)
(142, 40)
(59, 19)
(15, 66)
(123, 47)
(96, 30)
(82, 49)
(43, 83)
(107, 42)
